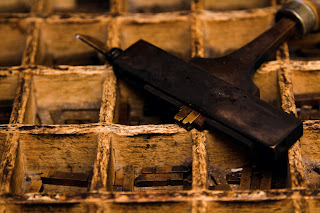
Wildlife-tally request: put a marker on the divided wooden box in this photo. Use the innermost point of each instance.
(74, 138)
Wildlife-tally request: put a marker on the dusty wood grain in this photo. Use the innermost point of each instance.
(245, 181)
(120, 30)
(296, 174)
(100, 168)
(108, 102)
(197, 5)
(199, 207)
(148, 197)
(199, 161)
(197, 35)
(8, 162)
(235, 5)
(117, 6)
(20, 102)
(296, 168)
(40, 6)
(32, 44)
(167, 129)
(152, 150)
(128, 178)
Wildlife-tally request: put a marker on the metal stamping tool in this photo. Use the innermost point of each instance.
(219, 93)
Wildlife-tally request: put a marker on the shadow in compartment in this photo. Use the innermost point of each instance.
(157, 6)
(15, 6)
(67, 98)
(13, 36)
(308, 106)
(8, 89)
(5, 111)
(151, 162)
(81, 6)
(58, 45)
(54, 163)
(137, 107)
(233, 167)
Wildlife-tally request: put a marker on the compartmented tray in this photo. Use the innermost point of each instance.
(74, 138)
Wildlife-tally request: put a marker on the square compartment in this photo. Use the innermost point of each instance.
(156, 6)
(13, 34)
(174, 28)
(306, 48)
(243, 206)
(72, 155)
(15, 6)
(8, 90)
(310, 146)
(58, 44)
(80, 6)
(136, 107)
(224, 34)
(151, 162)
(221, 5)
(306, 89)
(232, 167)
(66, 99)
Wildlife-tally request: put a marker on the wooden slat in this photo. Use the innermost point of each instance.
(35, 187)
(199, 161)
(220, 180)
(100, 169)
(245, 180)
(109, 97)
(30, 55)
(265, 183)
(296, 174)
(128, 178)
(8, 162)
(20, 102)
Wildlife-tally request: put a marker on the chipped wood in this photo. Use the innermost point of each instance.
(197, 36)
(30, 55)
(20, 102)
(100, 171)
(123, 130)
(8, 161)
(245, 181)
(109, 96)
(128, 178)
(120, 29)
(199, 161)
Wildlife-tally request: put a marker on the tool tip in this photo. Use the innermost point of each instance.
(77, 36)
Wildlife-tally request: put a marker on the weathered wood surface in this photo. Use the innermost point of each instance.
(42, 37)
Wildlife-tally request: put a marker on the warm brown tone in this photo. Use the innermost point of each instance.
(67, 107)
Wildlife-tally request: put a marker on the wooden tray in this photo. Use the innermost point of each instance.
(66, 119)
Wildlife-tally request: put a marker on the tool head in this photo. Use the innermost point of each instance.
(304, 12)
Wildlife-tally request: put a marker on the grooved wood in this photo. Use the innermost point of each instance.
(32, 44)
(100, 168)
(109, 97)
(20, 102)
(199, 206)
(296, 171)
(197, 36)
(199, 161)
(197, 5)
(104, 146)
(8, 162)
